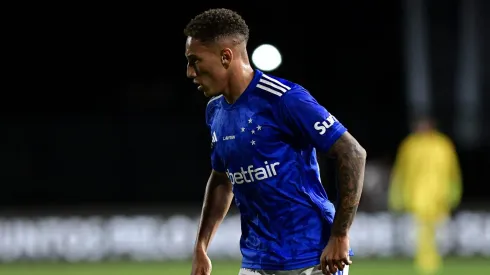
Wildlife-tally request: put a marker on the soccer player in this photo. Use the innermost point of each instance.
(265, 132)
(426, 182)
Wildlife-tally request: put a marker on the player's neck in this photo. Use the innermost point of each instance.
(238, 83)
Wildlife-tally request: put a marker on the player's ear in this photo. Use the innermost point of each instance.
(226, 57)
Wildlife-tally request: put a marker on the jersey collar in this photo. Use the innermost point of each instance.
(243, 97)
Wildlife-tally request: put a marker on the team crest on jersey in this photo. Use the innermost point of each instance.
(252, 128)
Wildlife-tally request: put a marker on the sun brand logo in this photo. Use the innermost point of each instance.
(322, 126)
(253, 174)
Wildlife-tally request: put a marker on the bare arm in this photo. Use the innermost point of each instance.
(217, 200)
(350, 161)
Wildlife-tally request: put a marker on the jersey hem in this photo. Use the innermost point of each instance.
(288, 266)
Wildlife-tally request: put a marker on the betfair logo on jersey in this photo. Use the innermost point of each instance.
(322, 126)
(253, 174)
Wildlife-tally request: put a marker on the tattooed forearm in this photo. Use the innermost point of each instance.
(350, 160)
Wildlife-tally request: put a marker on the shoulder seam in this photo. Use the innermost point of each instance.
(296, 89)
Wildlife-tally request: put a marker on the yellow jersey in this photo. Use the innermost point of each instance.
(426, 177)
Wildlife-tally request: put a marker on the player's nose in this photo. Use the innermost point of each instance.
(191, 72)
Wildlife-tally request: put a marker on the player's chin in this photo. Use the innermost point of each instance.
(203, 90)
(208, 93)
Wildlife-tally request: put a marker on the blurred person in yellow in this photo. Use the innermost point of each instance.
(426, 182)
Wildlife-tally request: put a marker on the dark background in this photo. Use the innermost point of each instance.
(103, 113)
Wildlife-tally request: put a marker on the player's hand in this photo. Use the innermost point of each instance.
(335, 256)
(201, 264)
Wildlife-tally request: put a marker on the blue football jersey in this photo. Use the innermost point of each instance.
(266, 143)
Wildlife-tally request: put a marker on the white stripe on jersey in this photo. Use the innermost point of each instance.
(214, 98)
(272, 85)
(269, 90)
(276, 81)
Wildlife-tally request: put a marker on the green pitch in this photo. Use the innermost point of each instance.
(360, 267)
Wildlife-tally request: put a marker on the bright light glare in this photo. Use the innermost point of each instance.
(266, 57)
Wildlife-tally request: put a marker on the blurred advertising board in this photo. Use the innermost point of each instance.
(144, 238)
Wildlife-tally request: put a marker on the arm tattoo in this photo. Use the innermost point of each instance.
(350, 160)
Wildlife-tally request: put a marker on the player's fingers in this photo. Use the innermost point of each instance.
(323, 266)
(331, 266)
(347, 261)
(326, 271)
(200, 271)
(329, 272)
(340, 265)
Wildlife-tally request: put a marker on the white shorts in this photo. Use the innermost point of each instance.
(302, 271)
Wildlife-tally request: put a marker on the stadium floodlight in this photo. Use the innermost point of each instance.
(266, 57)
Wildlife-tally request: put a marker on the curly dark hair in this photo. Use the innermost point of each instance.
(215, 24)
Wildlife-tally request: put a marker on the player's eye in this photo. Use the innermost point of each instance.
(193, 63)
(192, 59)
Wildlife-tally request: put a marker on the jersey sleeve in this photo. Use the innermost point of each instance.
(216, 161)
(305, 118)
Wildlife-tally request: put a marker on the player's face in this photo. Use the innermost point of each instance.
(205, 66)
(423, 126)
